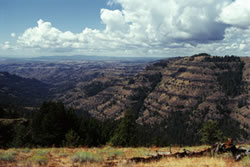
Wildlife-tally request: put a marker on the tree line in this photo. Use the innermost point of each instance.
(55, 125)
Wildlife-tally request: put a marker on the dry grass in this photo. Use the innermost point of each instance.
(99, 157)
(191, 162)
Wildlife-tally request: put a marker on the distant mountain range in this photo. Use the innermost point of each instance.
(78, 58)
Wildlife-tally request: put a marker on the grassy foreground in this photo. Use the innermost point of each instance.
(109, 156)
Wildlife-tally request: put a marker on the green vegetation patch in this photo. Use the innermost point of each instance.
(85, 157)
(42, 152)
(8, 156)
(25, 150)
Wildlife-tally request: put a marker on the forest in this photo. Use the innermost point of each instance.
(55, 125)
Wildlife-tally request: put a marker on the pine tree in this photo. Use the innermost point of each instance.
(51, 123)
(125, 134)
(210, 133)
(71, 139)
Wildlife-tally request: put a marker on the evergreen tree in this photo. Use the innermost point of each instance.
(6, 135)
(90, 132)
(107, 130)
(22, 136)
(2, 112)
(71, 139)
(125, 134)
(51, 123)
(210, 133)
(178, 130)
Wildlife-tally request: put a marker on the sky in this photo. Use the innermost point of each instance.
(151, 28)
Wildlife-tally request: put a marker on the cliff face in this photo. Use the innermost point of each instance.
(191, 84)
(206, 87)
(241, 105)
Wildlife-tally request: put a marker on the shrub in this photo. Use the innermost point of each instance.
(8, 156)
(85, 157)
(42, 152)
(25, 150)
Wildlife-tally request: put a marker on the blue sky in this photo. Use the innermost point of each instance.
(124, 27)
(74, 15)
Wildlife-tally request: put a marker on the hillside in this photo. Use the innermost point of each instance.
(21, 91)
(198, 84)
(196, 89)
(201, 86)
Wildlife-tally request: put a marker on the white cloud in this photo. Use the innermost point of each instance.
(236, 14)
(174, 20)
(6, 45)
(13, 35)
(236, 41)
(242, 46)
(159, 27)
(46, 36)
(114, 20)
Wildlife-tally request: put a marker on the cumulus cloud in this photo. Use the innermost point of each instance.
(236, 14)
(46, 36)
(6, 45)
(159, 27)
(174, 20)
(13, 35)
(114, 20)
